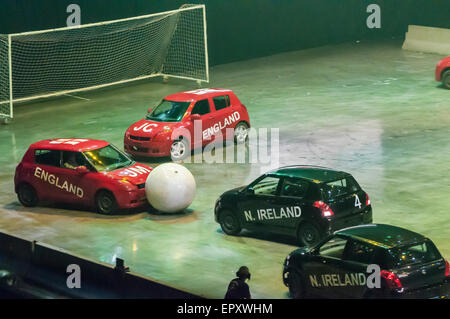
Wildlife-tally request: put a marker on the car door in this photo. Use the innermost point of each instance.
(290, 204)
(78, 187)
(357, 256)
(46, 173)
(321, 272)
(258, 202)
(203, 108)
(222, 114)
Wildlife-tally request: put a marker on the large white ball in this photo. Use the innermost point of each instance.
(170, 188)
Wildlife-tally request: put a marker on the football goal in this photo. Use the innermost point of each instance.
(54, 62)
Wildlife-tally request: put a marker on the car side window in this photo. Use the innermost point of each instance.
(333, 248)
(47, 157)
(221, 102)
(293, 187)
(201, 107)
(266, 186)
(359, 252)
(72, 160)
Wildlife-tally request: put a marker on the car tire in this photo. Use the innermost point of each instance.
(105, 203)
(229, 222)
(308, 235)
(296, 285)
(27, 195)
(446, 79)
(241, 133)
(179, 150)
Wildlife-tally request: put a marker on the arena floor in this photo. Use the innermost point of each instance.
(370, 109)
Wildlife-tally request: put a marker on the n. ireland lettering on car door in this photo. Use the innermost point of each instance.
(272, 213)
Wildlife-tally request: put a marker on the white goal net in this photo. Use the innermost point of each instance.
(65, 60)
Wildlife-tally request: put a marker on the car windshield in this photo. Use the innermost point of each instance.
(168, 111)
(412, 255)
(108, 158)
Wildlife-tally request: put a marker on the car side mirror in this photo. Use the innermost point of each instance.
(81, 170)
(250, 191)
(149, 110)
(195, 117)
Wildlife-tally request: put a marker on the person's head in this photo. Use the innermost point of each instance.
(243, 273)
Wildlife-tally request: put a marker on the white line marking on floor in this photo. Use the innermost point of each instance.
(77, 97)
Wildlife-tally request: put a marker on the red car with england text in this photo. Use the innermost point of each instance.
(188, 120)
(83, 172)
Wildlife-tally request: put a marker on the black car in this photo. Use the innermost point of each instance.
(308, 202)
(351, 262)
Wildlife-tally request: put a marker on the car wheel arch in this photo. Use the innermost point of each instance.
(103, 189)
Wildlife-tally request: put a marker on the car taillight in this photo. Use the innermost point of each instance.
(391, 279)
(447, 269)
(367, 200)
(325, 210)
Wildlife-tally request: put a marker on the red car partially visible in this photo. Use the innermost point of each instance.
(83, 172)
(443, 72)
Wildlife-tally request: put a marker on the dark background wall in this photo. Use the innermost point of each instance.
(243, 29)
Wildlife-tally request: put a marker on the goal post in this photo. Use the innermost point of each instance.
(66, 60)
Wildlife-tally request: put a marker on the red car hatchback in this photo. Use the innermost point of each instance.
(168, 129)
(80, 171)
(442, 73)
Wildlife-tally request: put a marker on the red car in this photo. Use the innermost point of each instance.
(443, 72)
(168, 129)
(83, 172)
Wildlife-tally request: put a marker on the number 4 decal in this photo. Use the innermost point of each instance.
(357, 202)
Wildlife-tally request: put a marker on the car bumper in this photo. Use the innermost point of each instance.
(439, 291)
(133, 199)
(147, 148)
(438, 73)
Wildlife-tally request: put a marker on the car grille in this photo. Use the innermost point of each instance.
(137, 149)
(139, 138)
(141, 186)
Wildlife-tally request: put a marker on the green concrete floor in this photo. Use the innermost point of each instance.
(370, 109)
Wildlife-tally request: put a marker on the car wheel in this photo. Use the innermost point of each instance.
(105, 202)
(179, 150)
(446, 79)
(308, 235)
(229, 223)
(241, 133)
(296, 285)
(27, 195)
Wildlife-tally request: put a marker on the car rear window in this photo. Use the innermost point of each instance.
(343, 186)
(412, 255)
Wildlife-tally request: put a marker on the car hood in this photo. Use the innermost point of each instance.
(233, 191)
(135, 174)
(146, 128)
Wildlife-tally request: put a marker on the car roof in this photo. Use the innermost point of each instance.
(317, 174)
(386, 236)
(69, 144)
(196, 95)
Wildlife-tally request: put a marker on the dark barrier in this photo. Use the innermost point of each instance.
(46, 267)
(244, 29)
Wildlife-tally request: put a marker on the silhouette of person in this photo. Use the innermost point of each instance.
(71, 161)
(238, 288)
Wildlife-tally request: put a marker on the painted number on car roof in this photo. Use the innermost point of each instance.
(71, 141)
(204, 91)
